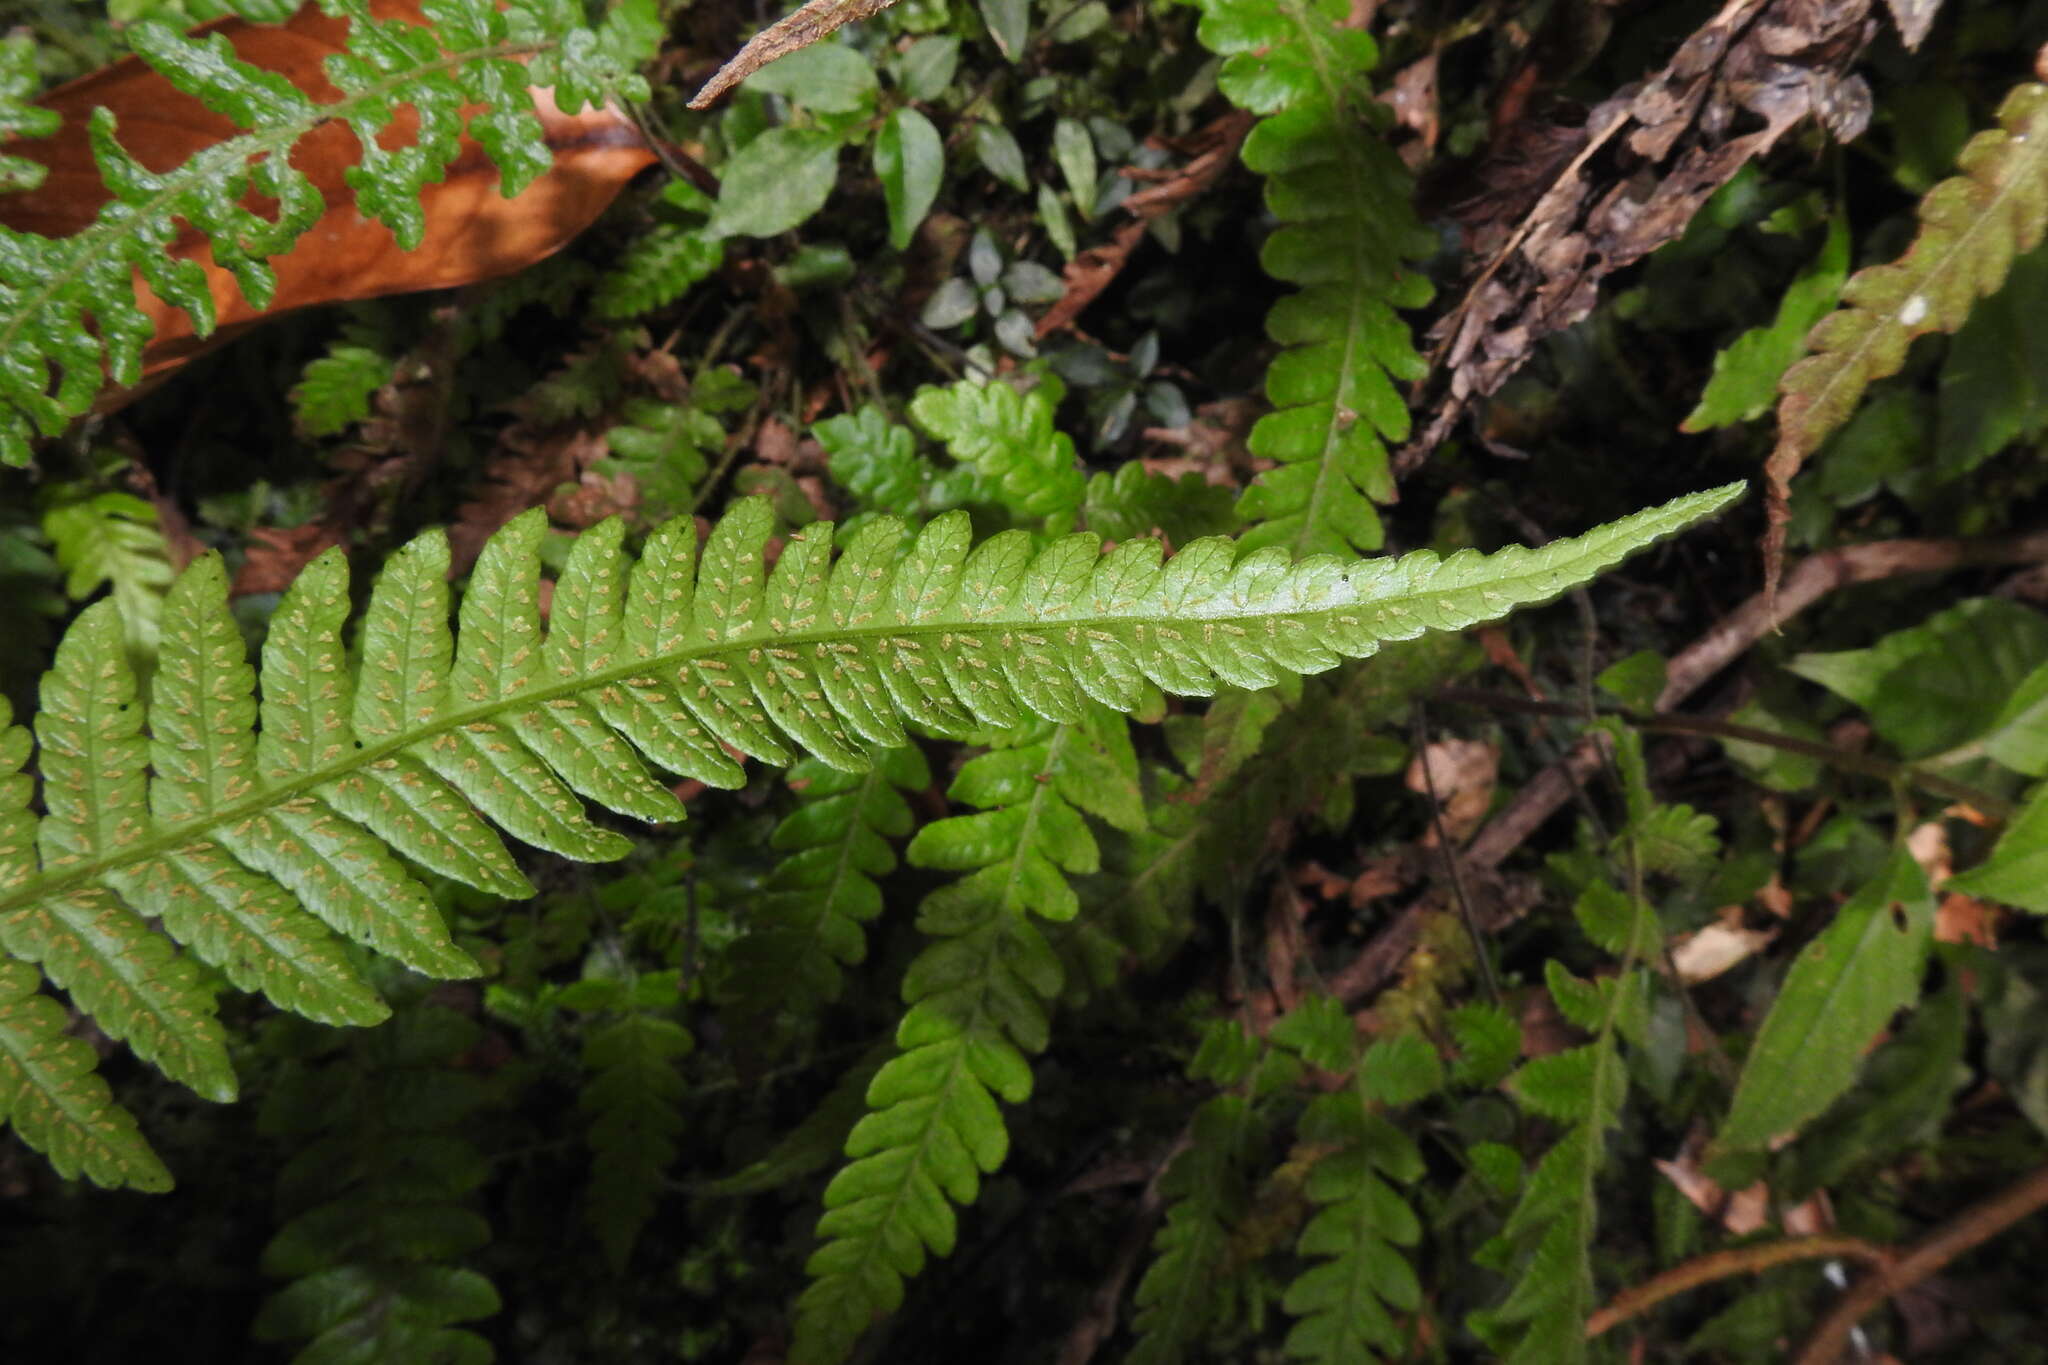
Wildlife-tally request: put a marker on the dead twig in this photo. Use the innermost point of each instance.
(1452, 857)
(1212, 149)
(1726, 1263)
(1642, 166)
(807, 25)
(1978, 1223)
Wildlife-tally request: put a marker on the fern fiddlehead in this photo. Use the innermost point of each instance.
(251, 844)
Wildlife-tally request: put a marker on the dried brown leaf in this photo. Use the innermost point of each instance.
(1642, 164)
(473, 232)
(532, 468)
(788, 34)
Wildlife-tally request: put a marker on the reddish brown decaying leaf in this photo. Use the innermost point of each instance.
(472, 231)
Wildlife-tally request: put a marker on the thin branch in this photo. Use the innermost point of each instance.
(1731, 637)
(1098, 1321)
(1726, 1263)
(1822, 574)
(1848, 760)
(1449, 848)
(807, 25)
(1688, 671)
(1976, 1224)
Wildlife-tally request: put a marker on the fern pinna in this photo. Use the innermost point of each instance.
(1347, 236)
(253, 832)
(380, 1198)
(469, 70)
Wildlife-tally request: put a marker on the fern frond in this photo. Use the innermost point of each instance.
(978, 996)
(1344, 1301)
(588, 382)
(1971, 228)
(334, 390)
(19, 81)
(1252, 758)
(111, 539)
(1008, 438)
(1134, 501)
(1546, 1245)
(470, 57)
(379, 1196)
(1178, 1298)
(823, 890)
(877, 461)
(657, 269)
(635, 1101)
(434, 737)
(663, 446)
(48, 1089)
(1348, 235)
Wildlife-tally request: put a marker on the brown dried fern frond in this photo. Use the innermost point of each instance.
(1972, 226)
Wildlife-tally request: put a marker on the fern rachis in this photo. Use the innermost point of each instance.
(1263, 594)
(670, 658)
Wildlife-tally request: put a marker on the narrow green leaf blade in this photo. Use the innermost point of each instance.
(1842, 989)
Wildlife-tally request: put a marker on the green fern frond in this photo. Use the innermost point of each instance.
(1971, 229)
(589, 382)
(665, 448)
(1178, 1299)
(1346, 1301)
(1134, 501)
(51, 1095)
(877, 461)
(978, 996)
(245, 842)
(334, 390)
(634, 1099)
(471, 57)
(379, 1194)
(657, 269)
(111, 539)
(1250, 759)
(823, 890)
(19, 81)
(1348, 236)
(1008, 438)
(1546, 1244)
(554, 285)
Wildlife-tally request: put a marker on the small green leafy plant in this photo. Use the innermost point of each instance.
(1109, 923)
